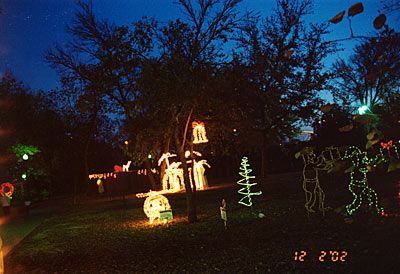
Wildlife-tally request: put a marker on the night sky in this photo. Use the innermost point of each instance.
(29, 27)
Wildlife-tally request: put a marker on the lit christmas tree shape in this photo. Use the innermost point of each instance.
(245, 181)
(358, 185)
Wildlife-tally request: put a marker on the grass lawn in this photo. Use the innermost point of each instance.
(113, 237)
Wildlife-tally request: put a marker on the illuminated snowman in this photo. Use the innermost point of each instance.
(156, 206)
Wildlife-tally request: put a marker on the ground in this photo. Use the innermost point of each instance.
(103, 236)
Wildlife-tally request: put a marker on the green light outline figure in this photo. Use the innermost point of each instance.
(246, 177)
(359, 187)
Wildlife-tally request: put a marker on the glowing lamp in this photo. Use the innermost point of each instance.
(25, 157)
(23, 176)
(362, 110)
(155, 205)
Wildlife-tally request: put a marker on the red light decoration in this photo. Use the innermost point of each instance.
(5, 186)
(387, 145)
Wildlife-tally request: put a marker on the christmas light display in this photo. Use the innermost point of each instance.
(103, 175)
(6, 189)
(358, 185)
(245, 181)
(199, 133)
(311, 185)
(198, 171)
(154, 204)
(173, 177)
(311, 163)
(123, 168)
(387, 145)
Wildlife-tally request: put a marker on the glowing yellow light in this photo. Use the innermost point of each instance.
(102, 175)
(154, 204)
(198, 171)
(199, 133)
(173, 177)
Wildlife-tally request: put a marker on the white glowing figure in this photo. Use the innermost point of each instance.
(199, 170)
(173, 176)
(153, 205)
(199, 133)
(125, 168)
(198, 174)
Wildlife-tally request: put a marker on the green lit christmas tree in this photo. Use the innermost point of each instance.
(245, 181)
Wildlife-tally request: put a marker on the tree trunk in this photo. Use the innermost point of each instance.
(190, 199)
(150, 174)
(263, 156)
(164, 163)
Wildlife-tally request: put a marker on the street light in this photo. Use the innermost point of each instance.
(363, 109)
(25, 157)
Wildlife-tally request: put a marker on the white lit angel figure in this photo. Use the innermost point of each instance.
(173, 176)
(155, 205)
(198, 171)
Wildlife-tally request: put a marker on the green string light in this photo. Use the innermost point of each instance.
(245, 181)
(359, 186)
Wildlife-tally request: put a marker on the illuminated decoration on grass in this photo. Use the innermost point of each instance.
(199, 170)
(245, 173)
(358, 185)
(199, 133)
(311, 185)
(173, 175)
(6, 189)
(154, 205)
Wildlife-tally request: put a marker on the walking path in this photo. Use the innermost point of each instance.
(14, 229)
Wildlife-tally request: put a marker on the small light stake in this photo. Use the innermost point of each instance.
(223, 212)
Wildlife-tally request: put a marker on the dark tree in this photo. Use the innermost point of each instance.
(372, 74)
(284, 59)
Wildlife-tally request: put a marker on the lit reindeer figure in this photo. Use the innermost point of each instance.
(311, 185)
(125, 168)
(173, 176)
